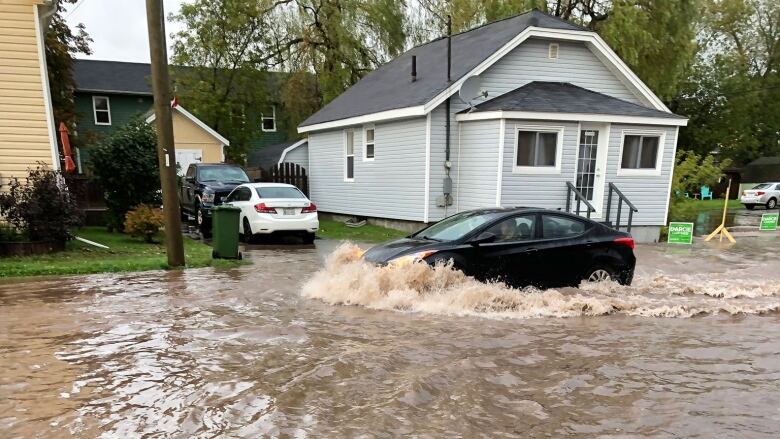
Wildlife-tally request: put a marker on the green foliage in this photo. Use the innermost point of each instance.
(62, 44)
(125, 165)
(330, 229)
(40, 207)
(691, 172)
(144, 221)
(733, 92)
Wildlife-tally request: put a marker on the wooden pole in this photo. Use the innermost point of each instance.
(722, 230)
(166, 153)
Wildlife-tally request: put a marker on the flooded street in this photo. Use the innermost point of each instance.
(692, 349)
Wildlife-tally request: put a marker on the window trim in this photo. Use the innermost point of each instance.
(366, 158)
(629, 172)
(273, 118)
(558, 130)
(346, 156)
(95, 110)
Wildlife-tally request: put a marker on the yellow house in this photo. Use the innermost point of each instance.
(195, 142)
(27, 130)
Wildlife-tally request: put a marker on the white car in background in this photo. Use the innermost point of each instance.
(767, 194)
(274, 207)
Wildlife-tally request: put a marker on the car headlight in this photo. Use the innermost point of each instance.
(208, 197)
(411, 258)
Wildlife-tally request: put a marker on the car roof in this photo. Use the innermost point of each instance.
(256, 185)
(523, 209)
(216, 164)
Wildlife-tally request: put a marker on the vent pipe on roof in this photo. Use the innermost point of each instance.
(414, 68)
(449, 46)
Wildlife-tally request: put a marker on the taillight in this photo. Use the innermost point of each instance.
(309, 209)
(759, 193)
(626, 240)
(262, 208)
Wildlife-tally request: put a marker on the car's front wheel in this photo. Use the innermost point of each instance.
(771, 204)
(750, 206)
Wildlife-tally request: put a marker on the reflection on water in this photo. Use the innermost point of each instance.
(241, 353)
(742, 219)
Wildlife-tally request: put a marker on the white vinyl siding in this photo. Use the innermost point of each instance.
(299, 156)
(531, 62)
(390, 187)
(478, 170)
(539, 190)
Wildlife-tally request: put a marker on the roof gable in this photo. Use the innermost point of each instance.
(390, 86)
(189, 116)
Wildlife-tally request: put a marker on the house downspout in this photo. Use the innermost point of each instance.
(447, 183)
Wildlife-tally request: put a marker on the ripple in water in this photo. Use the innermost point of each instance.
(347, 279)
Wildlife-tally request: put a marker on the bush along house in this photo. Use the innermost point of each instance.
(527, 111)
(109, 94)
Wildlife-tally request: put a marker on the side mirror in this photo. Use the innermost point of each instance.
(484, 238)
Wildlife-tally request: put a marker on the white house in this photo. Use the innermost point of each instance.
(559, 117)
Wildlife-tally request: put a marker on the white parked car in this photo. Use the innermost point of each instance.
(767, 194)
(274, 207)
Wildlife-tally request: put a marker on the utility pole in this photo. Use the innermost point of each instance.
(166, 153)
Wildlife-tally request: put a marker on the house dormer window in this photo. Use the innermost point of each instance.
(552, 52)
(101, 108)
(268, 121)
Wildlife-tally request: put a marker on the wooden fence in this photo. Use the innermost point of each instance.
(289, 173)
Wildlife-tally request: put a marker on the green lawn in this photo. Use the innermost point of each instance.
(330, 229)
(124, 254)
(689, 209)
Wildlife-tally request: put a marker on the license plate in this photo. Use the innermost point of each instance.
(288, 211)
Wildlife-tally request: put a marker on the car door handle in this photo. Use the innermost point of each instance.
(531, 250)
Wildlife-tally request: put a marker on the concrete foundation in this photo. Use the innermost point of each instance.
(646, 234)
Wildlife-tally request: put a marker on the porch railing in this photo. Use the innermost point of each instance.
(620, 200)
(572, 190)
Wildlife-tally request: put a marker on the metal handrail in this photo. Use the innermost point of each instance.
(621, 198)
(580, 198)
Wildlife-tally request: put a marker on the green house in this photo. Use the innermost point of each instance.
(110, 93)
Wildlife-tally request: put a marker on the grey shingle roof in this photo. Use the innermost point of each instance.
(390, 87)
(267, 156)
(112, 76)
(563, 97)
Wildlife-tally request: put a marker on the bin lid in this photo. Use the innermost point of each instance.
(226, 207)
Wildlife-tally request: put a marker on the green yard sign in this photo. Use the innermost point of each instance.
(680, 233)
(769, 221)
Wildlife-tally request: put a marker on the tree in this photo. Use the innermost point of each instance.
(62, 44)
(733, 93)
(225, 84)
(125, 166)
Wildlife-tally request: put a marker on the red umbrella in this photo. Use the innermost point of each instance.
(69, 165)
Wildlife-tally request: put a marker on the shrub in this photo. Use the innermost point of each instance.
(144, 221)
(125, 165)
(41, 207)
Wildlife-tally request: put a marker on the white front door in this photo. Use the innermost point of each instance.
(186, 157)
(590, 177)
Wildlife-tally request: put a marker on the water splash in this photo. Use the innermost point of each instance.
(348, 280)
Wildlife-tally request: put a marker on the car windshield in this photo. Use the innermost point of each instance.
(456, 226)
(762, 186)
(223, 173)
(279, 192)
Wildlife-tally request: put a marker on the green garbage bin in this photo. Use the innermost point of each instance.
(224, 227)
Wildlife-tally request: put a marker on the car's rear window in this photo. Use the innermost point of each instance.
(279, 192)
(762, 186)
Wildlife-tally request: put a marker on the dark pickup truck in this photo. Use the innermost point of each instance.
(204, 186)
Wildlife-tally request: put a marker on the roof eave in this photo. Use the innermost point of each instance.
(572, 117)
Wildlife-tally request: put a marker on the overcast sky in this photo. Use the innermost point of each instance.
(118, 27)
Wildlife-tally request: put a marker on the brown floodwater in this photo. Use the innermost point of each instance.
(296, 346)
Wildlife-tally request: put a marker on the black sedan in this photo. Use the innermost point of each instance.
(518, 246)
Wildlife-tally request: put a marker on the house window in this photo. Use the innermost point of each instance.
(101, 108)
(349, 155)
(552, 52)
(269, 121)
(369, 143)
(538, 150)
(640, 151)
